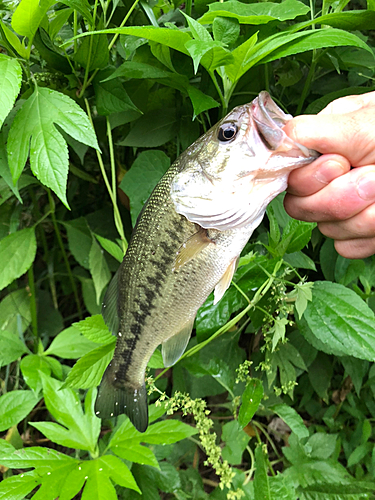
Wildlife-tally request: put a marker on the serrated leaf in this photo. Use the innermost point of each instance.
(14, 407)
(338, 321)
(70, 344)
(99, 269)
(304, 295)
(141, 179)
(10, 84)
(11, 348)
(111, 247)
(89, 370)
(251, 398)
(118, 471)
(291, 418)
(95, 329)
(34, 129)
(17, 487)
(35, 457)
(111, 97)
(17, 253)
(356, 491)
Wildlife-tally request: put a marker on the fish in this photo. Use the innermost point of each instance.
(186, 244)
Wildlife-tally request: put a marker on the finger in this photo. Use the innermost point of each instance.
(350, 135)
(356, 249)
(343, 198)
(361, 226)
(310, 179)
(349, 104)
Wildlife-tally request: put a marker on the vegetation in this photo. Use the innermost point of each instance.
(96, 100)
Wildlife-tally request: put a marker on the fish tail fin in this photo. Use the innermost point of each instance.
(113, 401)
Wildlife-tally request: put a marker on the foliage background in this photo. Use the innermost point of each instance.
(284, 362)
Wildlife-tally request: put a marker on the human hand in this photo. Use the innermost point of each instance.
(328, 191)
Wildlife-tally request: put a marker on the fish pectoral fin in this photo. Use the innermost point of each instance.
(191, 248)
(110, 305)
(225, 281)
(114, 400)
(173, 348)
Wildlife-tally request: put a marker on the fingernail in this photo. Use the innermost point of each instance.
(366, 186)
(328, 171)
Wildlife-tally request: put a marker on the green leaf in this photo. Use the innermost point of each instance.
(153, 129)
(296, 235)
(77, 430)
(11, 348)
(10, 84)
(35, 457)
(338, 321)
(34, 128)
(99, 269)
(168, 432)
(70, 344)
(14, 407)
(322, 445)
(111, 247)
(14, 41)
(32, 366)
(255, 13)
(96, 47)
(261, 481)
(140, 70)
(299, 260)
(17, 487)
(201, 102)
(88, 371)
(29, 15)
(82, 6)
(251, 398)
(225, 30)
(79, 240)
(17, 253)
(237, 68)
(141, 179)
(94, 329)
(328, 491)
(111, 97)
(320, 374)
(291, 418)
(15, 313)
(235, 440)
(118, 472)
(304, 295)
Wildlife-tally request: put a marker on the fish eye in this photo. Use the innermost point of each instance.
(227, 132)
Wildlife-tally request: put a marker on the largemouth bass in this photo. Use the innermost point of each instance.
(187, 241)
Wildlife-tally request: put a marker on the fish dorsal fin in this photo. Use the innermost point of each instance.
(225, 281)
(110, 305)
(191, 248)
(173, 348)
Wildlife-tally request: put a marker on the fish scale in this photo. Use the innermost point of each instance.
(173, 262)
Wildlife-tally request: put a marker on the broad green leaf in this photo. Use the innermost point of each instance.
(59, 20)
(15, 314)
(357, 369)
(319, 472)
(175, 39)
(153, 129)
(134, 452)
(282, 488)
(322, 445)
(35, 457)
(296, 236)
(10, 84)
(94, 329)
(235, 440)
(111, 97)
(210, 54)
(328, 491)
(168, 432)
(140, 70)
(97, 48)
(299, 260)
(291, 418)
(14, 41)
(237, 68)
(251, 398)
(14, 407)
(29, 15)
(359, 453)
(198, 31)
(141, 179)
(79, 240)
(156, 360)
(166, 478)
(99, 269)
(255, 13)
(82, 6)
(338, 321)
(225, 30)
(32, 366)
(11, 348)
(320, 374)
(5, 173)
(17, 487)
(118, 472)
(70, 344)
(17, 253)
(201, 102)
(88, 371)
(34, 129)
(111, 247)
(261, 480)
(77, 430)
(350, 20)
(304, 295)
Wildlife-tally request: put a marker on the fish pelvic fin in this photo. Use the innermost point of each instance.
(173, 348)
(225, 281)
(114, 400)
(191, 248)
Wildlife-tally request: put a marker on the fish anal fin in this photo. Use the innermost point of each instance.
(110, 305)
(113, 400)
(225, 281)
(173, 348)
(191, 248)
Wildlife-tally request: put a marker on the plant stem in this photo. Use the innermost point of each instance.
(63, 251)
(188, 5)
(88, 62)
(33, 313)
(217, 86)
